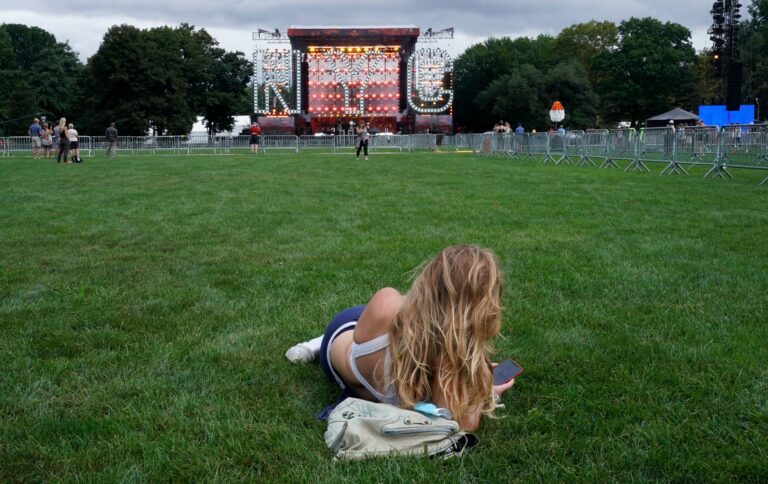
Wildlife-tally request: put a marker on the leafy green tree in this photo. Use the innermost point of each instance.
(231, 74)
(568, 83)
(119, 80)
(709, 88)
(584, 42)
(651, 71)
(487, 64)
(39, 74)
(755, 55)
(217, 78)
(6, 50)
(6, 75)
(517, 81)
(170, 85)
(161, 79)
(516, 94)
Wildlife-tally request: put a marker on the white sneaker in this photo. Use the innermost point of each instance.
(300, 353)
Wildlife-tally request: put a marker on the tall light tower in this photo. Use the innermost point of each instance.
(726, 58)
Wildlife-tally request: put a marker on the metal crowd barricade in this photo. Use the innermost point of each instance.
(694, 146)
(317, 142)
(216, 144)
(85, 145)
(133, 143)
(595, 146)
(655, 145)
(574, 148)
(344, 142)
(280, 142)
(520, 146)
(423, 142)
(485, 147)
(538, 146)
(495, 144)
(476, 142)
(509, 145)
(173, 144)
(18, 144)
(674, 165)
(447, 142)
(465, 141)
(705, 145)
(385, 141)
(556, 148)
(98, 143)
(222, 145)
(4, 147)
(622, 145)
(241, 142)
(744, 146)
(195, 142)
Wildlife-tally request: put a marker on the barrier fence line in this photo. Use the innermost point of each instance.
(389, 142)
(423, 142)
(280, 142)
(556, 149)
(595, 146)
(744, 147)
(520, 145)
(538, 143)
(721, 149)
(575, 150)
(464, 141)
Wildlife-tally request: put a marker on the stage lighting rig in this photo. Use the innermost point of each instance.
(726, 58)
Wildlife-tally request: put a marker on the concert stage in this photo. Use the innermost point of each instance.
(327, 79)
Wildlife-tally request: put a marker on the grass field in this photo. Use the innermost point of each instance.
(146, 303)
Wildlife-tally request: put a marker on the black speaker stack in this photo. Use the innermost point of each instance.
(726, 62)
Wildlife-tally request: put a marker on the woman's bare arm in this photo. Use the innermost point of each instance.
(378, 315)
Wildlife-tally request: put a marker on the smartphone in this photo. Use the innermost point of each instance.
(506, 371)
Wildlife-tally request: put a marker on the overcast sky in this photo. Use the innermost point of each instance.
(83, 23)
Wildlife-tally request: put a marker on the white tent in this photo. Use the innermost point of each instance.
(240, 122)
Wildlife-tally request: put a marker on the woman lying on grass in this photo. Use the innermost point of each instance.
(432, 344)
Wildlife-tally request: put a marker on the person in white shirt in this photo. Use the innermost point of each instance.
(362, 139)
(74, 148)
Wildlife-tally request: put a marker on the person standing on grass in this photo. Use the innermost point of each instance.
(255, 140)
(362, 139)
(432, 344)
(61, 134)
(74, 148)
(47, 141)
(35, 134)
(111, 135)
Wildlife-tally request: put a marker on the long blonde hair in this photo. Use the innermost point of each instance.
(442, 334)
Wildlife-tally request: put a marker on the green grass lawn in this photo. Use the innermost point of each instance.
(146, 303)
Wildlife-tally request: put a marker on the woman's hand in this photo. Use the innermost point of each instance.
(499, 390)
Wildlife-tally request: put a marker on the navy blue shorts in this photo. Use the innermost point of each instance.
(341, 323)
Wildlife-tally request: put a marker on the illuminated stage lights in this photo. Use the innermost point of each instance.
(431, 66)
(389, 49)
(277, 73)
(349, 71)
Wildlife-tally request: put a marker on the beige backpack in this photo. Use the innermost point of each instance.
(358, 429)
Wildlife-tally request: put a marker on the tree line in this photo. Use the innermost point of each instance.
(145, 80)
(602, 72)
